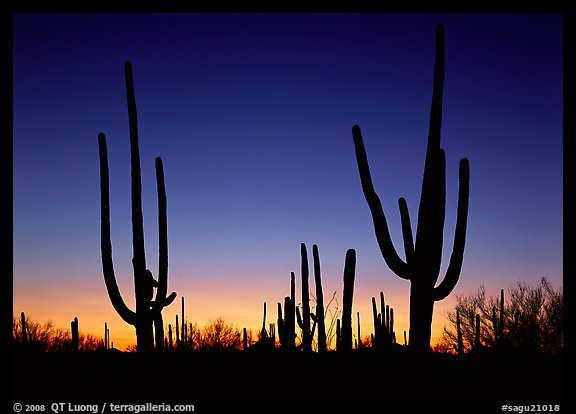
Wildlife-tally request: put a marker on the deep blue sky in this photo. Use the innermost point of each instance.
(252, 115)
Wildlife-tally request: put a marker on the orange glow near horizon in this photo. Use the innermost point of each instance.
(205, 302)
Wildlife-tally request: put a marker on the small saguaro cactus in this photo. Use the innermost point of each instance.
(359, 343)
(75, 335)
(423, 258)
(287, 323)
(148, 313)
(460, 346)
(23, 326)
(477, 333)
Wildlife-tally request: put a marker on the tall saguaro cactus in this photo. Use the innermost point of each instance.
(423, 259)
(148, 311)
(305, 322)
(319, 301)
(347, 298)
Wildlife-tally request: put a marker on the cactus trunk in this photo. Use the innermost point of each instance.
(305, 323)
(319, 301)
(349, 275)
(23, 326)
(423, 258)
(75, 335)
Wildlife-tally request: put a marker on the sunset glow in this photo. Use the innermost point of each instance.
(252, 116)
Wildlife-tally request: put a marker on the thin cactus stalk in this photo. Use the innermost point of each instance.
(338, 336)
(304, 322)
(281, 326)
(405, 339)
(494, 324)
(170, 342)
(184, 336)
(320, 318)
(263, 333)
(423, 258)
(358, 326)
(377, 330)
(106, 336)
(501, 324)
(244, 339)
(23, 326)
(348, 293)
(148, 311)
(75, 335)
(477, 333)
(177, 333)
(460, 348)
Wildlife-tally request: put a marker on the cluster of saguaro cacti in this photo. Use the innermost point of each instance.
(183, 332)
(106, 341)
(147, 318)
(422, 258)
(267, 337)
(305, 320)
(498, 323)
(286, 320)
(384, 335)
(308, 321)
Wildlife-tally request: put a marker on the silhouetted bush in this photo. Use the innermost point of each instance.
(217, 335)
(45, 337)
(532, 319)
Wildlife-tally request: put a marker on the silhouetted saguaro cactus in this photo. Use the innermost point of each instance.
(304, 322)
(384, 334)
(244, 339)
(287, 324)
(75, 335)
(460, 348)
(106, 336)
(148, 311)
(320, 319)
(477, 333)
(263, 333)
(338, 336)
(501, 323)
(423, 259)
(184, 330)
(347, 297)
(358, 327)
(24, 330)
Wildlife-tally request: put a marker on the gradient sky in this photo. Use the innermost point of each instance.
(252, 115)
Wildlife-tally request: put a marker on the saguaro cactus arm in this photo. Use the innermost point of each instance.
(394, 262)
(161, 299)
(456, 258)
(406, 231)
(125, 313)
